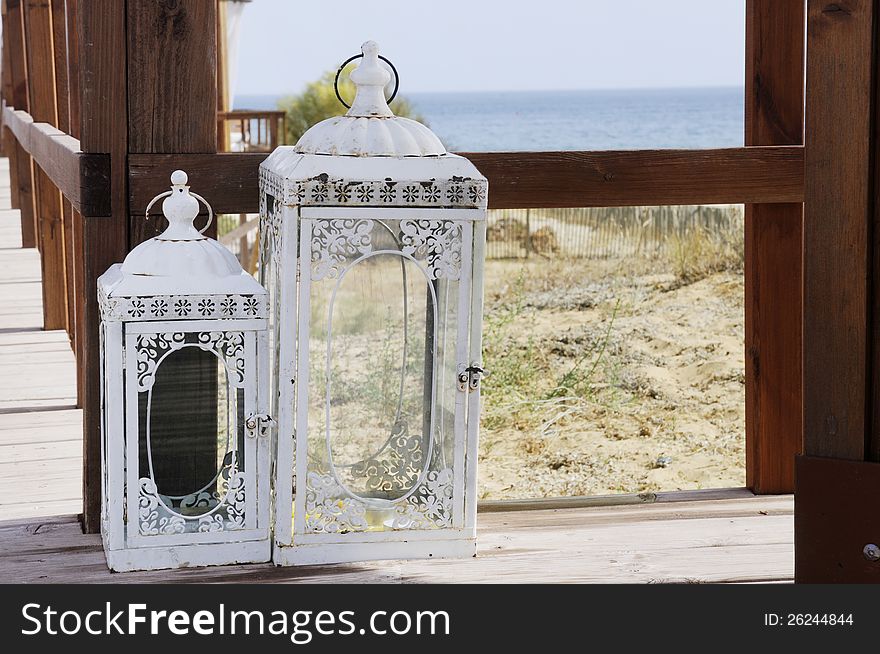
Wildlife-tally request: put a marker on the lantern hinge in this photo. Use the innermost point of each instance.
(469, 378)
(258, 424)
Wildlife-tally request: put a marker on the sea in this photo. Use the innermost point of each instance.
(497, 121)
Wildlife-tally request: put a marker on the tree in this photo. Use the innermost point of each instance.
(318, 102)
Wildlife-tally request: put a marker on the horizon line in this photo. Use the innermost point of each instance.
(570, 90)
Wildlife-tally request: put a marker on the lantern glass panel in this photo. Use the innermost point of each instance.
(191, 423)
(387, 320)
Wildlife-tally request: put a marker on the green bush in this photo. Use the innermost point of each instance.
(318, 102)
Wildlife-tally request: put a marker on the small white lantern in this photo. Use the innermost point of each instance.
(372, 246)
(186, 460)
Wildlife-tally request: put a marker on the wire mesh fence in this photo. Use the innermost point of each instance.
(605, 232)
(584, 233)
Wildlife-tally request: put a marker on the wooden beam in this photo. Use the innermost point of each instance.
(533, 179)
(13, 30)
(41, 91)
(774, 115)
(103, 93)
(836, 221)
(835, 517)
(83, 178)
(641, 177)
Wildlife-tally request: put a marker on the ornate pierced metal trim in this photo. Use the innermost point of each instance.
(150, 349)
(333, 241)
(183, 307)
(224, 506)
(228, 346)
(458, 193)
(270, 227)
(430, 507)
(329, 509)
(439, 241)
(271, 184)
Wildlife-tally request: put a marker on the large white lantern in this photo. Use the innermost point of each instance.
(185, 447)
(372, 242)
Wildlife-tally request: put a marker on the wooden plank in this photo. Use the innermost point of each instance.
(774, 102)
(13, 29)
(172, 72)
(702, 541)
(41, 91)
(836, 251)
(617, 500)
(534, 179)
(103, 90)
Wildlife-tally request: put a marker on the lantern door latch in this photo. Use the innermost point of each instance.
(258, 424)
(469, 378)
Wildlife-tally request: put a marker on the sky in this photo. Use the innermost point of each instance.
(497, 45)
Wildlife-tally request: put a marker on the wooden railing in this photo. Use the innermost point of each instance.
(252, 131)
(143, 74)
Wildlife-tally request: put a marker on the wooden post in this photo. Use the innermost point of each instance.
(836, 487)
(8, 141)
(774, 115)
(223, 93)
(13, 30)
(62, 104)
(73, 107)
(101, 26)
(43, 108)
(172, 90)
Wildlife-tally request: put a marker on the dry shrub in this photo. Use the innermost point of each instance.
(508, 230)
(544, 241)
(698, 253)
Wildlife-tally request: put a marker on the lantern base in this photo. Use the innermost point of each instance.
(321, 553)
(187, 556)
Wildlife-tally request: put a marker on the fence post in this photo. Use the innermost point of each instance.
(773, 238)
(13, 36)
(528, 233)
(43, 108)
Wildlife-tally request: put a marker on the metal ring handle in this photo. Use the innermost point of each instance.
(210, 211)
(153, 201)
(358, 56)
(195, 195)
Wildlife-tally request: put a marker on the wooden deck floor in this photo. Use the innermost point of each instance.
(693, 537)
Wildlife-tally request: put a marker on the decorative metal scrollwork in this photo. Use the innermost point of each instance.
(150, 350)
(437, 241)
(333, 241)
(223, 506)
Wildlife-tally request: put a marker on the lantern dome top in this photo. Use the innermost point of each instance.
(370, 128)
(181, 260)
